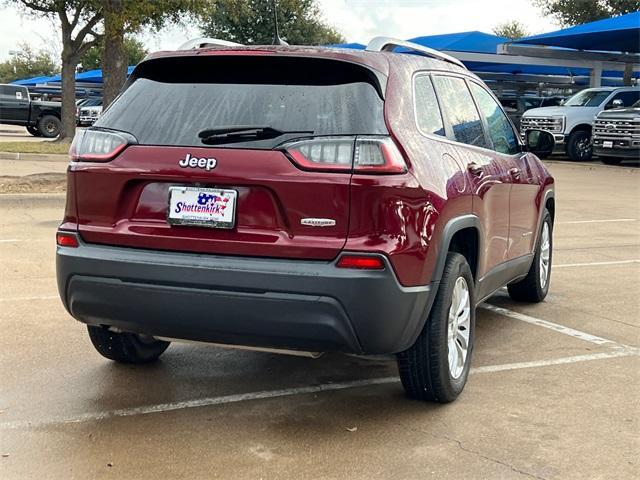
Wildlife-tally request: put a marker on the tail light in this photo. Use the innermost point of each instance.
(361, 154)
(91, 145)
(64, 239)
(362, 262)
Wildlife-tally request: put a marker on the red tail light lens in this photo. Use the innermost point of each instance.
(361, 262)
(91, 145)
(359, 154)
(64, 239)
(378, 155)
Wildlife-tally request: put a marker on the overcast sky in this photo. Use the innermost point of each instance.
(357, 20)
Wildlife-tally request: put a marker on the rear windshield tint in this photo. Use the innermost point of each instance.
(291, 95)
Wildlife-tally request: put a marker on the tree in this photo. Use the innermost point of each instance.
(129, 16)
(575, 12)
(512, 30)
(78, 21)
(27, 63)
(133, 48)
(252, 22)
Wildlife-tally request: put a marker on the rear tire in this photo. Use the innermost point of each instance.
(534, 287)
(125, 347)
(431, 369)
(611, 160)
(579, 146)
(49, 126)
(34, 131)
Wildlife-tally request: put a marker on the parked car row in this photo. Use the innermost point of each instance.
(516, 106)
(88, 110)
(607, 118)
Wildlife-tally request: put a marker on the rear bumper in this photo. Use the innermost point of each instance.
(271, 303)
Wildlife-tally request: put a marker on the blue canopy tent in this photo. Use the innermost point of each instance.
(484, 43)
(473, 41)
(90, 76)
(353, 46)
(95, 76)
(30, 82)
(617, 34)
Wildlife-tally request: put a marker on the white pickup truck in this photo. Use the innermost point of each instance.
(571, 123)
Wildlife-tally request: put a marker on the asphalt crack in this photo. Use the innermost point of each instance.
(490, 459)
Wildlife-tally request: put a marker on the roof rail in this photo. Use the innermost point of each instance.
(203, 42)
(387, 44)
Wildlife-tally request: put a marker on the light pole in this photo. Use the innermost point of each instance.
(14, 54)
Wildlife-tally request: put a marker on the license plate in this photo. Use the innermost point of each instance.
(607, 144)
(202, 207)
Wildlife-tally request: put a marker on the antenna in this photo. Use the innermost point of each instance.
(276, 38)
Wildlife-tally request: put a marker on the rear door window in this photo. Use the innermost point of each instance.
(162, 109)
(459, 110)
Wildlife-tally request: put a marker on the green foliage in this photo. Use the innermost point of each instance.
(251, 22)
(134, 50)
(27, 63)
(136, 14)
(512, 30)
(575, 12)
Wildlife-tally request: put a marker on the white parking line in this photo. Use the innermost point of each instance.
(288, 392)
(587, 337)
(596, 264)
(606, 220)
(21, 299)
(10, 240)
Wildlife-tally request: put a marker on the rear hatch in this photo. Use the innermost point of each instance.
(256, 151)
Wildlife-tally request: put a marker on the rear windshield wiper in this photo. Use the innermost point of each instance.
(240, 132)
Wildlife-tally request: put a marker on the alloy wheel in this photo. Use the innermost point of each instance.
(458, 327)
(545, 255)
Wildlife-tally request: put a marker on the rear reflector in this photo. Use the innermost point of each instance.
(360, 154)
(64, 239)
(91, 145)
(361, 262)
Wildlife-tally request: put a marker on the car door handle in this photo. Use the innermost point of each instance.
(515, 172)
(475, 169)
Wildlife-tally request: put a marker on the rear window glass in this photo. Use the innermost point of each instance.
(165, 110)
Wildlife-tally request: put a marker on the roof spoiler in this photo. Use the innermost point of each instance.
(204, 42)
(387, 44)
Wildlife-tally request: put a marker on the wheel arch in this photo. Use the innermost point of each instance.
(53, 113)
(462, 235)
(582, 127)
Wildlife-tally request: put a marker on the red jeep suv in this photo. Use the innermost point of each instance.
(304, 200)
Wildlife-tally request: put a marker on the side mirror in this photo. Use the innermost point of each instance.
(617, 103)
(562, 101)
(540, 142)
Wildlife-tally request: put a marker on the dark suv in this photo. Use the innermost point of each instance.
(304, 200)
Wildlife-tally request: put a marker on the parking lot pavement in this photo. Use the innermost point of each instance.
(14, 133)
(553, 393)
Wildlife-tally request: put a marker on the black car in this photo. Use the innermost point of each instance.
(41, 118)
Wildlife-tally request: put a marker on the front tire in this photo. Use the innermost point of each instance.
(534, 287)
(435, 368)
(124, 347)
(579, 146)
